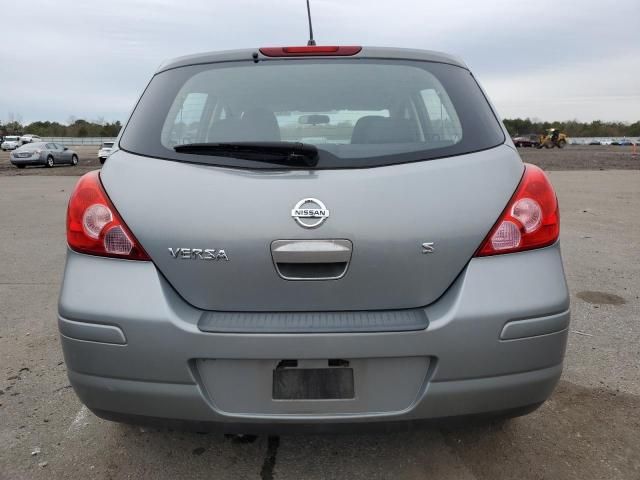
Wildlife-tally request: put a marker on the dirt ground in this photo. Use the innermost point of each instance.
(87, 161)
(572, 157)
(583, 157)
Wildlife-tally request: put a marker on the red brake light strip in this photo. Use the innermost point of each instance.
(313, 50)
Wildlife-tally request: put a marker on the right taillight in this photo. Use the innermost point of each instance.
(531, 219)
(94, 226)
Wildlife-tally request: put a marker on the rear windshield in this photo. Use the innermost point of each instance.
(32, 146)
(357, 112)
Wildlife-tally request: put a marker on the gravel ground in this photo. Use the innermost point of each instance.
(583, 157)
(589, 429)
(572, 157)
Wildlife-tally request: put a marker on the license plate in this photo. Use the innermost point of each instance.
(313, 384)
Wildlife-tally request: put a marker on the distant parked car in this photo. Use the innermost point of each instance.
(595, 142)
(625, 142)
(43, 153)
(528, 140)
(29, 138)
(105, 151)
(10, 142)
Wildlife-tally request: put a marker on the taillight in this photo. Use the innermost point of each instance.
(311, 50)
(531, 219)
(94, 225)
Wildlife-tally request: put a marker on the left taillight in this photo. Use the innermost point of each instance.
(94, 226)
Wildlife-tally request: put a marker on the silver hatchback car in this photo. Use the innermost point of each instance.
(313, 237)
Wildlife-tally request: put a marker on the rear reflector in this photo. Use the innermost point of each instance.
(531, 219)
(94, 226)
(314, 50)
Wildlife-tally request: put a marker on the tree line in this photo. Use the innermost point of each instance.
(573, 128)
(515, 126)
(77, 128)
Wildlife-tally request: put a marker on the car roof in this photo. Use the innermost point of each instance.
(366, 52)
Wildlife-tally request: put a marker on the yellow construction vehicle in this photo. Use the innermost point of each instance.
(553, 138)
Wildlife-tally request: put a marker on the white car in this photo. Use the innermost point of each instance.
(29, 138)
(105, 151)
(11, 142)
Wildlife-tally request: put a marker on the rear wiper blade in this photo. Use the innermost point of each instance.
(285, 153)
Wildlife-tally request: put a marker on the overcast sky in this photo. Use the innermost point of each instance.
(552, 60)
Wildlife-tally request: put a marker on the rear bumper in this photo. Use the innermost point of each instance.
(185, 406)
(495, 342)
(27, 161)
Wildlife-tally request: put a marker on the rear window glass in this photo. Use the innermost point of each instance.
(33, 146)
(358, 113)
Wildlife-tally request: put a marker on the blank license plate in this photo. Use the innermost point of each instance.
(313, 383)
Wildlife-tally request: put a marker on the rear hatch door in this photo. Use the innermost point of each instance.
(410, 228)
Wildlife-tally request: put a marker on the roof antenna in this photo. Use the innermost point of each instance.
(311, 40)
